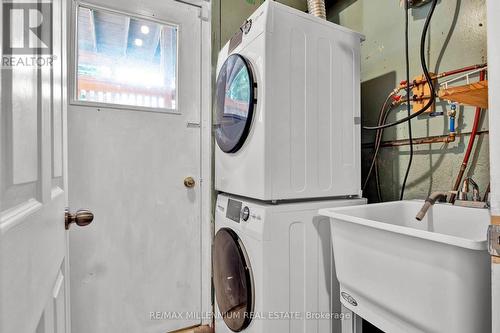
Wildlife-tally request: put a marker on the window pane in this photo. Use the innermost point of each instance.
(125, 60)
(233, 103)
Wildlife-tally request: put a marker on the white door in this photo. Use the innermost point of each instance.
(140, 261)
(33, 266)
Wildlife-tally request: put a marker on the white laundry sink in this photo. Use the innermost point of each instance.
(407, 276)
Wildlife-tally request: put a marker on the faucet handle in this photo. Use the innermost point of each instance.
(462, 195)
(465, 184)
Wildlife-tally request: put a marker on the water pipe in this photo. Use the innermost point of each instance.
(468, 152)
(421, 141)
(402, 84)
(452, 115)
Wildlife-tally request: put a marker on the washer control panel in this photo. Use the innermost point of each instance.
(245, 213)
(234, 211)
(239, 211)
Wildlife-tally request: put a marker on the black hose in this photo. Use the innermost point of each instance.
(408, 97)
(426, 73)
(377, 183)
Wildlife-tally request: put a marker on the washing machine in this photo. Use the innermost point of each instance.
(273, 267)
(287, 108)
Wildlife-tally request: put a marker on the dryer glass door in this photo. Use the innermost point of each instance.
(234, 103)
(233, 280)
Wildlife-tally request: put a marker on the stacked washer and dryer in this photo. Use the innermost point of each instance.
(287, 129)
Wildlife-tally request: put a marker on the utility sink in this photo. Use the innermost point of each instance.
(407, 276)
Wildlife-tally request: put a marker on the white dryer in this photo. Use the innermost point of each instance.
(273, 267)
(287, 108)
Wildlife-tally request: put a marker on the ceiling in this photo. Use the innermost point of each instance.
(119, 35)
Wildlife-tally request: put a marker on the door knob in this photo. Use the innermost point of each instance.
(189, 182)
(82, 218)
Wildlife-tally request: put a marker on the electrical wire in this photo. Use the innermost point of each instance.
(383, 114)
(408, 97)
(426, 73)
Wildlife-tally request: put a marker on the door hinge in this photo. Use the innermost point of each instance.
(204, 15)
(494, 240)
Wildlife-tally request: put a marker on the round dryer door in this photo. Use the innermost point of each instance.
(234, 103)
(233, 280)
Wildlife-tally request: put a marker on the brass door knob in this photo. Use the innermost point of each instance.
(189, 182)
(82, 218)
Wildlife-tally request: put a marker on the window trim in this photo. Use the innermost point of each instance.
(73, 61)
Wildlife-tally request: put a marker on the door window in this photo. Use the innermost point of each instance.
(233, 280)
(124, 60)
(234, 103)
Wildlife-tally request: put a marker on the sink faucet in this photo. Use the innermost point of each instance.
(431, 200)
(475, 189)
(476, 201)
(462, 194)
(463, 201)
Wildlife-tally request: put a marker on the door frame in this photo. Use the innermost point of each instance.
(493, 10)
(205, 135)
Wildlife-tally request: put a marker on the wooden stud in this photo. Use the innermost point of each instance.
(474, 94)
(422, 93)
(495, 220)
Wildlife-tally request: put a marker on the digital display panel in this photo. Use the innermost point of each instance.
(233, 210)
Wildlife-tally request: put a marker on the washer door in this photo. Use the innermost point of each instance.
(234, 103)
(233, 280)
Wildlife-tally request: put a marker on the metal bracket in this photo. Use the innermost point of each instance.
(204, 14)
(494, 240)
(471, 204)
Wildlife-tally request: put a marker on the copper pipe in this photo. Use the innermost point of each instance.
(433, 139)
(413, 99)
(438, 139)
(402, 84)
